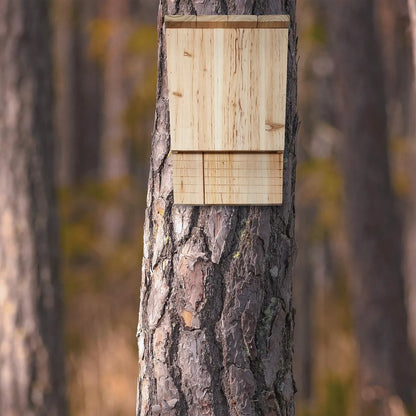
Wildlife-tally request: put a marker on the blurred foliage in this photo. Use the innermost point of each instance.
(143, 41)
(315, 33)
(321, 186)
(100, 32)
(400, 149)
(102, 272)
(141, 106)
(321, 235)
(93, 265)
(336, 400)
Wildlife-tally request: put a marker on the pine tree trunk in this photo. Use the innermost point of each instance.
(31, 354)
(373, 225)
(216, 316)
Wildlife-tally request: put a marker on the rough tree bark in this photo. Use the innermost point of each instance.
(373, 224)
(215, 327)
(31, 354)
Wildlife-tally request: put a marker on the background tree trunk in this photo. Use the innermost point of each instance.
(31, 356)
(113, 155)
(62, 41)
(410, 231)
(412, 13)
(373, 224)
(79, 92)
(215, 327)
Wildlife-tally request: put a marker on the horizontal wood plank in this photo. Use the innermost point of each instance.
(178, 21)
(273, 21)
(212, 21)
(241, 21)
(227, 21)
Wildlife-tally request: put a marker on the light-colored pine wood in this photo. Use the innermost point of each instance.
(241, 21)
(227, 95)
(243, 179)
(181, 47)
(227, 88)
(228, 178)
(273, 21)
(230, 21)
(188, 181)
(177, 21)
(212, 22)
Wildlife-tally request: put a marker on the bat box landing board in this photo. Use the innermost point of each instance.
(227, 100)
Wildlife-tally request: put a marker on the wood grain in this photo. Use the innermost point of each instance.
(241, 21)
(211, 21)
(273, 21)
(227, 89)
(188, 182)
(230, 21)
(243, 179)
(176, 21)
(228, 178)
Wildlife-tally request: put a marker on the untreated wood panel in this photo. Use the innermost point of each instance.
(181, 44)
(274, 58)
(211, 21)
(228, 21)
(188, 182)
(177, 21)
(243, 178)
(241, 21)
(273, 21)
(227, 88)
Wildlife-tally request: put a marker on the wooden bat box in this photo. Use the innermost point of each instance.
(227, 101)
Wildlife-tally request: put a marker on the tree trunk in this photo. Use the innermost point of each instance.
(113, 154)
(304, 336)
(412, 13)
(411, 214)
(62, 40)
(373, 224)
(31, 354)
(86, 90)
(215, 327)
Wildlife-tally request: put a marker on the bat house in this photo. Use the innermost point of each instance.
(227, 101)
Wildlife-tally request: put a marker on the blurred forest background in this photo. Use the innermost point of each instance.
(105, 55)
(105, 60)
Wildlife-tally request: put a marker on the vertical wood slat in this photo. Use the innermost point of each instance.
(227, 88)
(188, 182)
